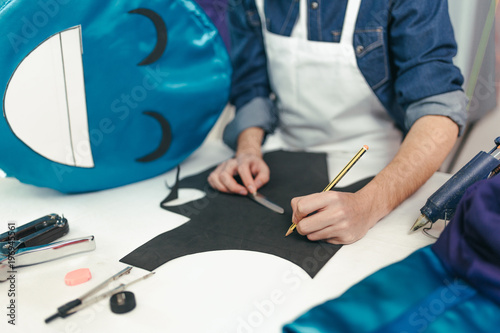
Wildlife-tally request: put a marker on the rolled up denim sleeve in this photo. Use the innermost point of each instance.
(248, 56)
(451, 104)
(250, 88)
(422, 47)
(259, 112)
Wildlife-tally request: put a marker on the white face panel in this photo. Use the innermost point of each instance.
(45, 101)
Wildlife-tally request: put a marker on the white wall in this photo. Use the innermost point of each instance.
(469, 18)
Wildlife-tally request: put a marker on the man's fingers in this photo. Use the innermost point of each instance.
(254, 174)
(215, 183)
(247, 178)
(336, 233)
(214, 179)
(262, 176)
(231, 184)
(306, 205)
(222, 178)
(316, 222)
(247, 167)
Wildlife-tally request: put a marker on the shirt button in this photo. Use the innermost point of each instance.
(314, 5)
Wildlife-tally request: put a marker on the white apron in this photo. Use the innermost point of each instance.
(324, 102)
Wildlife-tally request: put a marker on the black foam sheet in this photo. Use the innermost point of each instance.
(222, 221)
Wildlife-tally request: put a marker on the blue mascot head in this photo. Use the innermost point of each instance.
(98, 94)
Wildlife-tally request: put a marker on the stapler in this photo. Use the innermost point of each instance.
(30, 244)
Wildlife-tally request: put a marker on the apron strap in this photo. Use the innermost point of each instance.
(350, 19)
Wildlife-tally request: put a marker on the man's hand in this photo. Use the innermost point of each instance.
(247, 163)
(247, 166)
(336, 217)
(343, 218)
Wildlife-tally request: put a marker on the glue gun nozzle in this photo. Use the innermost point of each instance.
(419, 223)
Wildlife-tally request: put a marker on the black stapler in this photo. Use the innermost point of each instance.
(30, 243)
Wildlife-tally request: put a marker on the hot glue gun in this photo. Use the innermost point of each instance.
(442, 204)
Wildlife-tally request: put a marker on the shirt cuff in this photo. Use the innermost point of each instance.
(451, 104)
(259, 112)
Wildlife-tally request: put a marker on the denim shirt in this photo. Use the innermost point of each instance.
(404, 50)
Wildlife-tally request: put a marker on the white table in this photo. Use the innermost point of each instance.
(225, 291)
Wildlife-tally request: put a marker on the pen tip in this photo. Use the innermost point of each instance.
(291, 229)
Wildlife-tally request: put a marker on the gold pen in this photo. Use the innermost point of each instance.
(336, 179)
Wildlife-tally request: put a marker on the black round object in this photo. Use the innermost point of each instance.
(122, 302)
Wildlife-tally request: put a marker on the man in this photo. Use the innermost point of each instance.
(334, 76)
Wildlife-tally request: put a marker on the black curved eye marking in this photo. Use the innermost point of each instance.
(165, 141)
(161, 45)
(161, 32)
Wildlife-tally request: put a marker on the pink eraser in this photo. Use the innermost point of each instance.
(77, 277)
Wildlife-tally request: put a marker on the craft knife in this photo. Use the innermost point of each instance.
(259, 198)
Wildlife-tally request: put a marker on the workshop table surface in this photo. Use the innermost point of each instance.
(223, 291)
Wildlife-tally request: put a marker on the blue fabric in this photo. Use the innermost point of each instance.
(188, 86)
(216, 10)
(469, 247)
(404, 49)
(451, 286)
(416, 294)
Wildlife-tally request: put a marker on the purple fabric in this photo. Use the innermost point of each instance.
(216, 10)
(470, 245)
